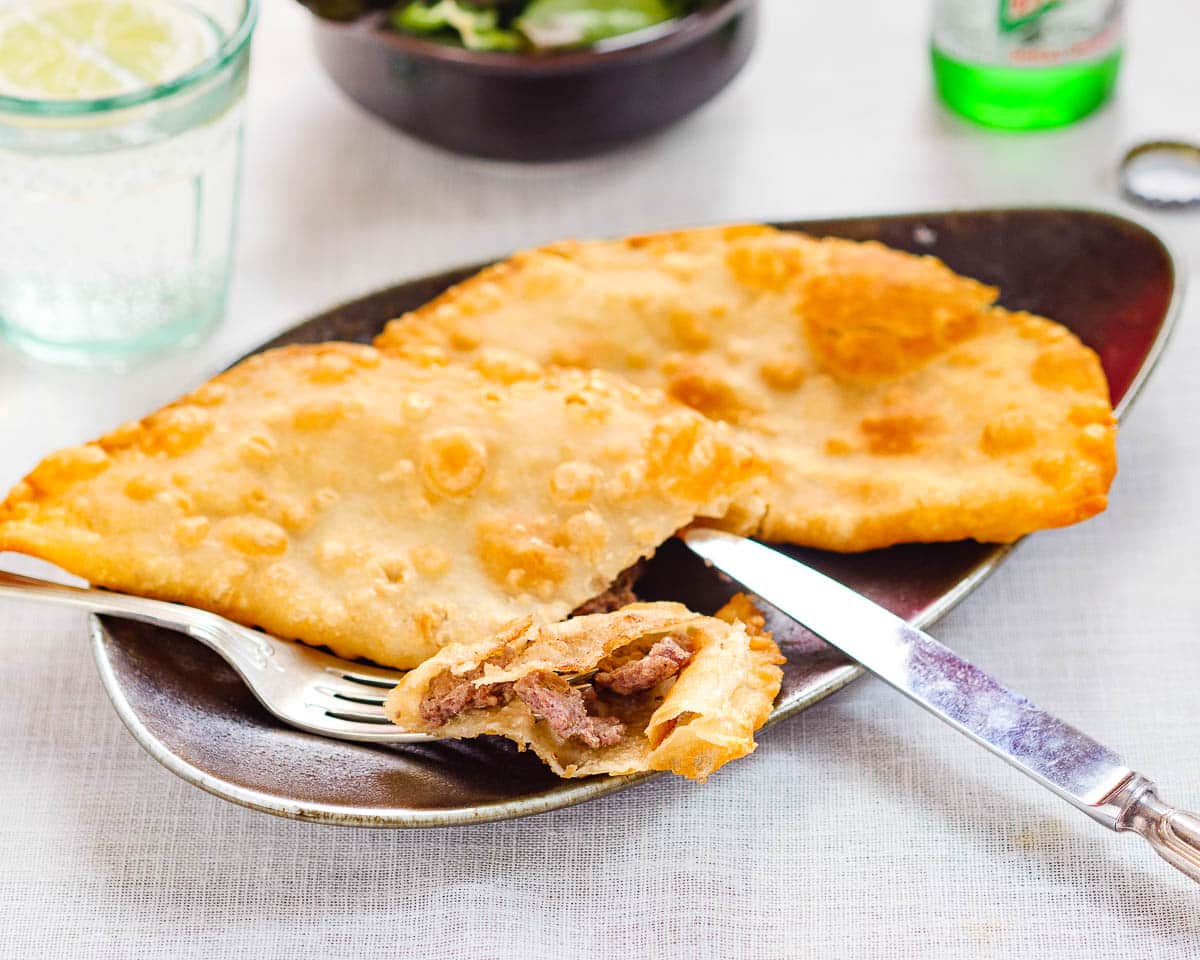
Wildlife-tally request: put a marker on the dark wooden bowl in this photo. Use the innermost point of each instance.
(537, 107)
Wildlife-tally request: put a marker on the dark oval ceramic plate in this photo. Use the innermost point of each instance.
(1112, 281)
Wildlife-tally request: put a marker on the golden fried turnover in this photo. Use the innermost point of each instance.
(380, 505)
(893, 402)
(656, 687)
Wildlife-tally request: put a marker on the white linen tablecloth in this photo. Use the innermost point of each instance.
(862, 828)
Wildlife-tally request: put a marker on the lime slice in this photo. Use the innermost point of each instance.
(86, 49)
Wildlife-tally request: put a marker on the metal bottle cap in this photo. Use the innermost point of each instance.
(1162, 173)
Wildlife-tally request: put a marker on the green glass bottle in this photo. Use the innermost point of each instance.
(1024, 64)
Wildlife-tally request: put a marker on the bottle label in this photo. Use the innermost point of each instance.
(1027, 33)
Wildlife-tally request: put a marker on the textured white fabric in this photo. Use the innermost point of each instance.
(863, 828)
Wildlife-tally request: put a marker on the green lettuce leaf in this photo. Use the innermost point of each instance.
(478, 28)
(571, 23)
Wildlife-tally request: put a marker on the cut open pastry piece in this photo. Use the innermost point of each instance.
(893, 402)
(380, 505)
(657, 687)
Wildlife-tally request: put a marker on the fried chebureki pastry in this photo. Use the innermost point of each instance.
(663, 689)
(378, 505)
(892, 400)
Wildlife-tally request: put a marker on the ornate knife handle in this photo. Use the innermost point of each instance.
(1173, 833)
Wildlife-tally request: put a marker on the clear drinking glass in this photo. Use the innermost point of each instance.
(117, 213)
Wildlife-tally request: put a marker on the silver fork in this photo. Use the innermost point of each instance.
(306, 688)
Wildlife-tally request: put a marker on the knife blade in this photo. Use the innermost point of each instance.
(1062, 758)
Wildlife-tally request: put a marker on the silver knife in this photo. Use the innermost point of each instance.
(1083, 772)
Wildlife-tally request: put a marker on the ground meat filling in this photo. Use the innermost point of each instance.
(619, 593)
(447, 696)
(550, 698)
(665, 659)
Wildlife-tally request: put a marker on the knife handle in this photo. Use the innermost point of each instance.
(1173, 833)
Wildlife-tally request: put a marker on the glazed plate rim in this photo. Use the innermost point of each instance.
(571, 793)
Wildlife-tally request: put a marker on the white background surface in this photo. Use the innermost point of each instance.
(860, 829)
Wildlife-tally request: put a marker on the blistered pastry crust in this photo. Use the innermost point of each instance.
(891, 399)
(380, 505)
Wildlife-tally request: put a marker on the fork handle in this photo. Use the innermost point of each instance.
(1173, 833)
(157, 612)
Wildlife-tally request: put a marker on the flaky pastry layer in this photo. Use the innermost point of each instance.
(381, 505)
(691, 723)
(893, 402)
